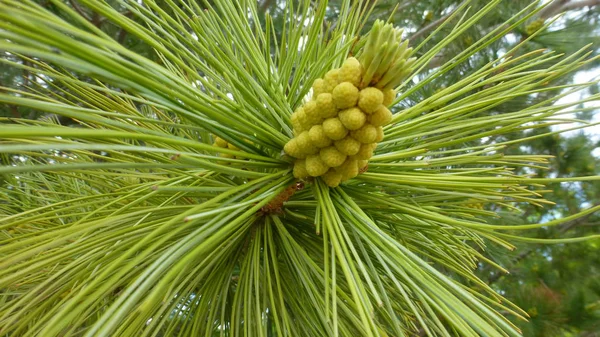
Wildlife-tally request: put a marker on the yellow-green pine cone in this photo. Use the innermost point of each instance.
(325, 106)
(389, 95)
(315, 166)
(331, 156)
(313, 116)
(353, 118)
(534, 26)
(331, 79)
(292, 149)
(225, 155)
(300, 169)
(319, 86)
(232, 147)
(380, 117)
(334, 128)
(379, 134)
(350, 71)
(365, 152)
(366, 134)
(468, 40)
(361, 164)
(296, 125)
(348, 169)
(303, 120)
(318, 137)
(348, 145)
(332, 178)
(305, 145)
(220, 142)
(369, 99)
(345, 95)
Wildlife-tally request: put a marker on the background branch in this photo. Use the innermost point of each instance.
(433, 25)
(563, 229)
(560, 6)
(79, 10)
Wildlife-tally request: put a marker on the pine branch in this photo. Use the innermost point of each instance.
(562, 6)
(552, 8)
(265, 5)
(434, 24)
(79, 10)
(559, 6)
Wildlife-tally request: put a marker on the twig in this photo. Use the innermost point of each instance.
(560, 6)
(433, 25)
(14, 111)
(96, 20)
(265, 5)
(121, 36)
(79, 10)
(578, 4)
(552, 8)
(122, 31)
(26, 79)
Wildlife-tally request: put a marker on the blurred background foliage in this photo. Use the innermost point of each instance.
(558, 285)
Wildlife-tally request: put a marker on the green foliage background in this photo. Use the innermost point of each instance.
(558, 285)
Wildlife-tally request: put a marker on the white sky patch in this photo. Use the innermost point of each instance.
(593, 131)
(569, 15)
(302, 42)
(41, 79)
(501, 52)
(448, 10)
(409, 30)
(511, 38)
(309, 20)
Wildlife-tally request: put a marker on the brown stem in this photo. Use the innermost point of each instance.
(265, 5)
(122, 31)
(96, 20)
(26, 79)
(14, 111)
(79, 10)
(121, 36)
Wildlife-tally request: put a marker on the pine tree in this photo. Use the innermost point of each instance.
(162, 203)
